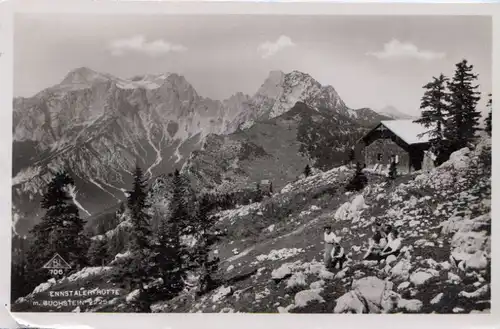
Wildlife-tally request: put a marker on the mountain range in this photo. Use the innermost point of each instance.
(393, 113)
(98, 126)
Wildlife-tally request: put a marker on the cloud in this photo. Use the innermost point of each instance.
(139, 44)
(269, 48)
(398, 49)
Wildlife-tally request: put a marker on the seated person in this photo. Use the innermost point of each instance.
(376, 244)
(338, 256)
(387, 228)
(393, 247)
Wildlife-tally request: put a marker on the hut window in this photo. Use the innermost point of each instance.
(396, 158)
(379, 156)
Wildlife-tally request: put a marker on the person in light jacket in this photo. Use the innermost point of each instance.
(330, 239)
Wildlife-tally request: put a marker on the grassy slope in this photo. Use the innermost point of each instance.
(462, 193)
(298, 216)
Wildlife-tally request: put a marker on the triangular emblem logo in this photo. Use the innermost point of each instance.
(57, 262)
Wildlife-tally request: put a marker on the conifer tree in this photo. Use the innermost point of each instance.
(116, 244)
(392, 171)
(358, 181)
(434, 110)
(59, 231)
(350, 155)
(206, 237)
(463, 116)
(137, 205)
(488, 118)
(97, 254)
(172, 255)
(137, 271)
(258, 193)
(307, 171)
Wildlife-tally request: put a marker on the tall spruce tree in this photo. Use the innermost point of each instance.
(463, 116)
(206, 236)
(489, 117)
(137, 271)
(137, 205)
(172, 255)
(97, 254)
(307, 171)
(258, 193)
(434, 106)
(59, 231)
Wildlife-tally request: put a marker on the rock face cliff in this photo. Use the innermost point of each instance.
(97, 126)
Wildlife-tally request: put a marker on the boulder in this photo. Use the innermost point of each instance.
(317, 284)
(437, 298)
(369, 263)
(296, 280)
(403, 286)
(326, 275)
(459, 224)
(221, 293)
(370, 294)
(133, 296)
(341, 274)
(377, 293)
(285, 309)
(390, 259)
(401, 271)
(458, 160)
(421, 276)
(304, 297)
(453, 278)
(430, 262)
(477, 261)
(445, 265)
(342, 212)
(479, 293)
(282, 271)
(410, 305)
(349, 303)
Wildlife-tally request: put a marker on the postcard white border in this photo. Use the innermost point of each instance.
(239, 320)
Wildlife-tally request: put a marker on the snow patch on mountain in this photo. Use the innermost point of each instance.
(71, 189)
(394, 113)
(102, 188)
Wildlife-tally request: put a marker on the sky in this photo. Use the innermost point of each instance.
(371, 61)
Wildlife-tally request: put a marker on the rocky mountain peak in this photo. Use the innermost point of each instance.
(84, 75)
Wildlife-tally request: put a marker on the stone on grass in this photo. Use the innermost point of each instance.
(401, 271)
(410, 305)
(445, 265)
(326, 275)
(296, 280)
(341, 274)
(285, 309)
(481, 292)
(349, 302)
(403, 285)
(422, 276)
(317, 284)
(390, 259)
(477, 261)
(453, 278)
(282, 271)
(437, 298)
(221, 293)
(304, 297)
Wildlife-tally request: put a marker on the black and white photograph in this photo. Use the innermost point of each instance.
(235, 163)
